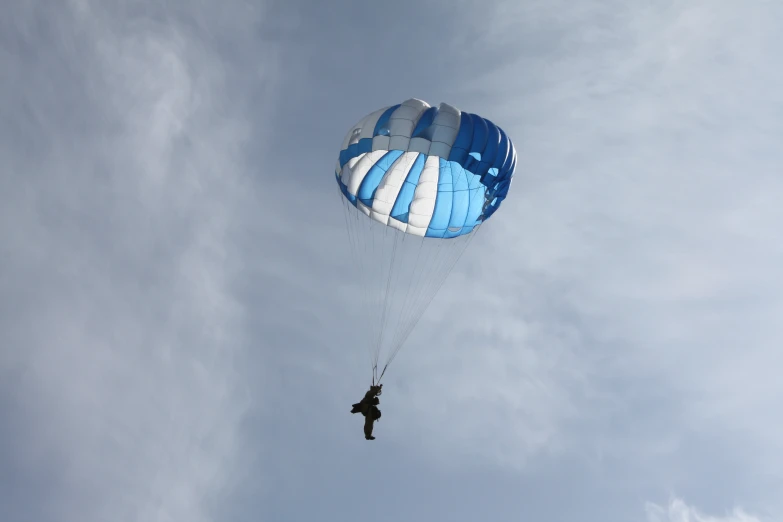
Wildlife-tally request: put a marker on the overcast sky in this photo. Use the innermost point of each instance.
(176, 339)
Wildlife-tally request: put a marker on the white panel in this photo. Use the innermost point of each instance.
(401, 128)
(447, 120)
(419, 145)
(445, 135)
(360, 170)
(351, 163)
(369, 124)
(423, 215)
(448, 116)
(405, 112)
(410, 110)
(440, 149)
(390, 185)
(446, 129)
(380, 143)
(399, 225)
(399, 143)
(403, 121)
(416, 231)
(363, 208)
(380, 217)
(421, 105)
(354, 139)
(423, 203)
(347, 171)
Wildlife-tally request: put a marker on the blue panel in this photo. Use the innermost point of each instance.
(424, 126)
(490, 150)
(507, 168)
(503, 151)
(476, 207)
(513, 164)
(461, 232)
(416, 169)
(503, 187)
(351, 152)
(448, 234)
(459, 208)
(490, 178)
(479, 143)
(443, 202)
(461, 147)
(402, 204)
(474, 181)
(460, 186)
(468, 198)
(382, 126)
(461, 176)
(434, 233)
(369, 184)
(365, 145)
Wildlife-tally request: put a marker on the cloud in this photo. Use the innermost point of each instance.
(123, 156)
(679, 511)
(631, 273)
(177, 295)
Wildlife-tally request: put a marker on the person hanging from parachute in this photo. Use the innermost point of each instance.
(416, 182)
(368, 407)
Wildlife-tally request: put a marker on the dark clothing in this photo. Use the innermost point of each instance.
(368, 407)
(369, 420)
(364, 405)
(373, 392)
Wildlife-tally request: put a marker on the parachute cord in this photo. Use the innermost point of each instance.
(369, 223)
(362, 237)
(354, 228)
(434, 265)
(412, 284)
(384, 371)
(384, 319)
(432, 295)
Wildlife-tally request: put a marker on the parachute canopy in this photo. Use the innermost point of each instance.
(426, 171)
(416, 182)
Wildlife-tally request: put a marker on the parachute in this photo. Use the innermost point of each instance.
(416, 183)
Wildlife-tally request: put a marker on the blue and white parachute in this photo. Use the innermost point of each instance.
(416, 182)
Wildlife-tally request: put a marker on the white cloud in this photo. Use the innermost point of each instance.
(636, 260)
(679, 511)
(122, 185)
(621, 308)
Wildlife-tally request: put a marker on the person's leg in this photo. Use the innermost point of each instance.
(368, 425)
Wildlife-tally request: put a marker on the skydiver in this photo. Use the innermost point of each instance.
(368, 407)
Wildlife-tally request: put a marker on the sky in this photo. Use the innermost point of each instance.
(176, 294)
